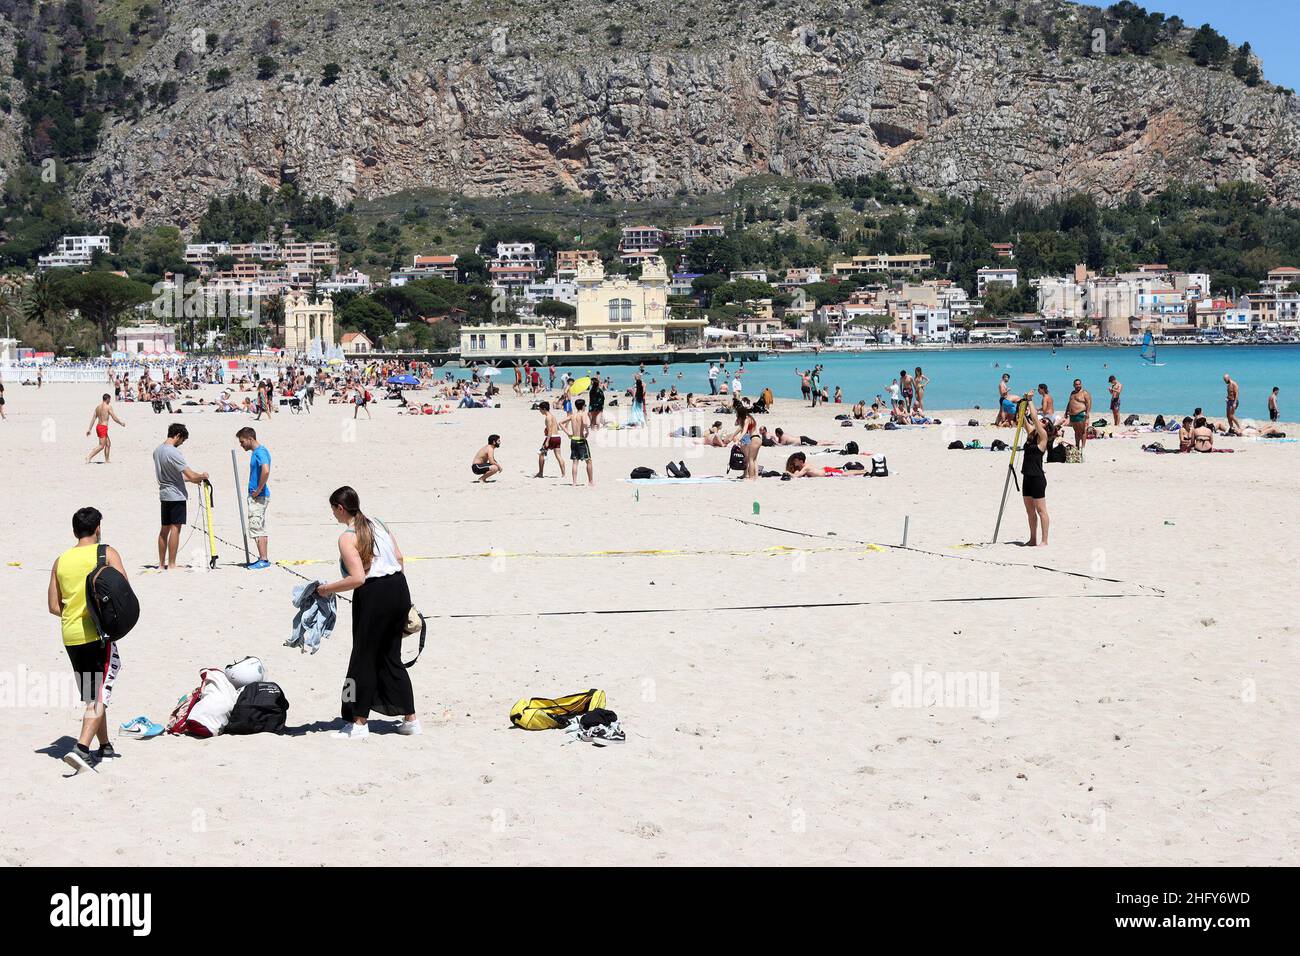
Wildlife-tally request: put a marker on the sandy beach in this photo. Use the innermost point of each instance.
(1135, 680)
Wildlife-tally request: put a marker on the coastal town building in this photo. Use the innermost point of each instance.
(442, 267)
(353, 281)
(308, 322)
(356, 343)
(515, 265)
(146, 339)
(484, 343)
(568, 260)
(683, 284)
(560, 290)
(703, 230)
(641, 239)
(74, 251)
(904, 264)
(995, 276)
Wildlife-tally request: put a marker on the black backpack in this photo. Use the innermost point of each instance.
(850, 448)
(110, 602)
(643, 472)
(956, 444)
(737, 460)
(260, 709)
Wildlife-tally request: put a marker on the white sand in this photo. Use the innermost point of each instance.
(1133, 730)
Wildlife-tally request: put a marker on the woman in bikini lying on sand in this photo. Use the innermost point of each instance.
(796, 466)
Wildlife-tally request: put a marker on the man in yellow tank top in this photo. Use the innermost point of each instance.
(95, 663)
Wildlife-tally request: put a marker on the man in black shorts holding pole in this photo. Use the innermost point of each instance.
(172, 471)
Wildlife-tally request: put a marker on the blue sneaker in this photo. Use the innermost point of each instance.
(259, 565)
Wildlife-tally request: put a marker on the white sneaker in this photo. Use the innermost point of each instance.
(77, 762)
(409, 728)
(353, 731)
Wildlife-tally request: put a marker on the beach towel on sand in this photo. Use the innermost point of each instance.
(315, 618)
(545, 713)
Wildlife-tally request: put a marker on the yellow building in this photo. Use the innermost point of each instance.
(621, 314)
(306, 321)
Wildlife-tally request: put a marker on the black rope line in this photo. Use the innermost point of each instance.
(956, 557)
(282, 567)
(786, 607)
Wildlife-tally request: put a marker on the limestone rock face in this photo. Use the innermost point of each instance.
(645, 97)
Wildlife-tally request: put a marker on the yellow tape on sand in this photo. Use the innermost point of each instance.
(774, 551)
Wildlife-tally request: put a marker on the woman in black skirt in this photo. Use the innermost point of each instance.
(1033, 481)
(372, 566)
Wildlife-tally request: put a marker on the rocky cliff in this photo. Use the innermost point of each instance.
(647, 97)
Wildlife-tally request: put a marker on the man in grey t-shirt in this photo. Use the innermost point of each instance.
(172, 472)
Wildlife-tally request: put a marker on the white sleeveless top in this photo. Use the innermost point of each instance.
(384, 562)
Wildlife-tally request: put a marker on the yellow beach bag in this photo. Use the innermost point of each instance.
(543, 713)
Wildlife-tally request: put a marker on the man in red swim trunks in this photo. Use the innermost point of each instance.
(99, 421)
(550, 440)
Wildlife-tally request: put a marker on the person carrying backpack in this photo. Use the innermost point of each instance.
(95, 662)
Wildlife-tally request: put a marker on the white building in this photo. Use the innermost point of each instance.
(354, 281)
(991, 276)
(703, 230)
(560, 290)
(74, 251)
(932, 325)
(755, 275)
(516, 265)
(146, 339)
(203, 255)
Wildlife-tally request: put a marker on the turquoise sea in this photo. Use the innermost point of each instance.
(1190, 376)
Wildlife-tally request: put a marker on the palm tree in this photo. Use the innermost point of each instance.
(43, 309)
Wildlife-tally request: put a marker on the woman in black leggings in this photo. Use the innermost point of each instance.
(1033, 482)
(373, 567)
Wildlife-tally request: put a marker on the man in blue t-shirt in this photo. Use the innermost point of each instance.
(259, 492)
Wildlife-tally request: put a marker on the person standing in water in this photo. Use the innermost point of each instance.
(99, 419)
(372, 565)
(1272, 404)
(1233, 400)
(919, 381)
(1116, 387)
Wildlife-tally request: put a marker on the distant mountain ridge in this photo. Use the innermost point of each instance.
(648, 98)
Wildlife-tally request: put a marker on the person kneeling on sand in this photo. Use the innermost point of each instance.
(485, 463)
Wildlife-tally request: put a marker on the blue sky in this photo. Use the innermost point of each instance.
(1272, 27)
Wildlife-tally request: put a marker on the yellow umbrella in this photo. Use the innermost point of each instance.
(580, 386)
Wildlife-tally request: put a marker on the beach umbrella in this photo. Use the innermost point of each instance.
(580, 386)
(403, 380)
(489, 371)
